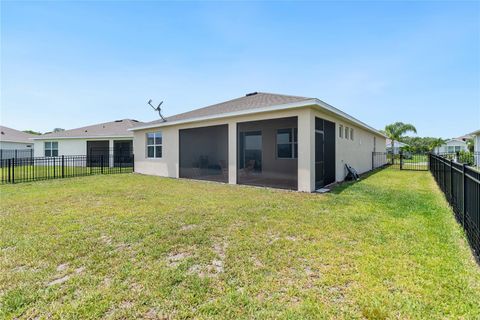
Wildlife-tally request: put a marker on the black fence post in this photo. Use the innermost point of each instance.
(451, 182)
(16, 153)
(133, 162)
(464, 181)
(13, 170)
(9, 166)
(401, 160)
(63, 166)
(373, 155)
(101, 163)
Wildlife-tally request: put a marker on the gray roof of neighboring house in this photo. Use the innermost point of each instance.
(117, 128)
(252, 100)
(396, 143)
(11, 135)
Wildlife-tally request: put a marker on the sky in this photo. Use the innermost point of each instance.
(71, 64)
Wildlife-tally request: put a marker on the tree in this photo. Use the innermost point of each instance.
(32, 132)
(396, 130)
(58, 129)
(436, 143)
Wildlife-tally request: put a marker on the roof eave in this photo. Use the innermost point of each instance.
(306, 103)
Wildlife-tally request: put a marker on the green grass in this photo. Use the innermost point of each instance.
(132, 246)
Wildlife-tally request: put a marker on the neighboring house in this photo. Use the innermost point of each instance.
(11, 139)
(260, 139)
(15, 143)
(397, 146)
(452, 146)
(104, 139)
(476, 146)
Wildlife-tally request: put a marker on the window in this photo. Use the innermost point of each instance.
(347, 130)
(51, 149)
(287, 145)
(154, 145)
(450, 149)
(340, 131)
(457, 148)
(351, 133)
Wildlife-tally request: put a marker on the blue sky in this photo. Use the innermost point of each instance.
(69, 64)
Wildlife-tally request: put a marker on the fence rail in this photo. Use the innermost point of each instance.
(461, 186)
(17, 170)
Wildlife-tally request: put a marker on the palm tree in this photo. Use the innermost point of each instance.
(436, 143)
(396, 130)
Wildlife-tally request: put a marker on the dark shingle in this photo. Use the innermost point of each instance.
(248, 102)
(118, 128)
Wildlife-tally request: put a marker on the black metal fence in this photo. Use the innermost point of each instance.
(401, 161)
(15, 153)
(44, 168)
(461, 186)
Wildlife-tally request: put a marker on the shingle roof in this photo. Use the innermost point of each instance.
(250, 101)
(117, 128)
(12, 135)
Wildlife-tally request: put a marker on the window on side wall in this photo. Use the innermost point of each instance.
(450, 149)
(347, 130)
(154, 144)
(351, 133)
(340, 131)
(51, 149)
(457, 148)
(287, 143)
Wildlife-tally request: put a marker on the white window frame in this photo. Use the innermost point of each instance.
(347, 131)
(50, 148)
(340, 131)
(154, 145)
(351, 134)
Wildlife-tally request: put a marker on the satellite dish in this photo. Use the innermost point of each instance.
(157, 109)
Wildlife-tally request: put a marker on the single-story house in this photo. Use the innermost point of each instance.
(104, 139)
(452, 146)
(260, 139)
(397, 146)
(11, 139)
(15, 143)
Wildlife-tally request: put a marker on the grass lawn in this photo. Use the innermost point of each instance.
(132, 246)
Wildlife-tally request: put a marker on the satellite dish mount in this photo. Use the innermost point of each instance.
(157, 109)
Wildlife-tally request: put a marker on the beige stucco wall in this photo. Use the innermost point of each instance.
(7, 145)
(357, 153)
(71, 147)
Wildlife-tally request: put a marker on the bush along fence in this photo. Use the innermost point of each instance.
(461, 186)
(17, 170)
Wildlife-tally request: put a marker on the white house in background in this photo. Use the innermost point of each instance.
(397, 146)
(452, 146)
(260, 139)
(104, 139)
(11, 139)
(476, 143)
